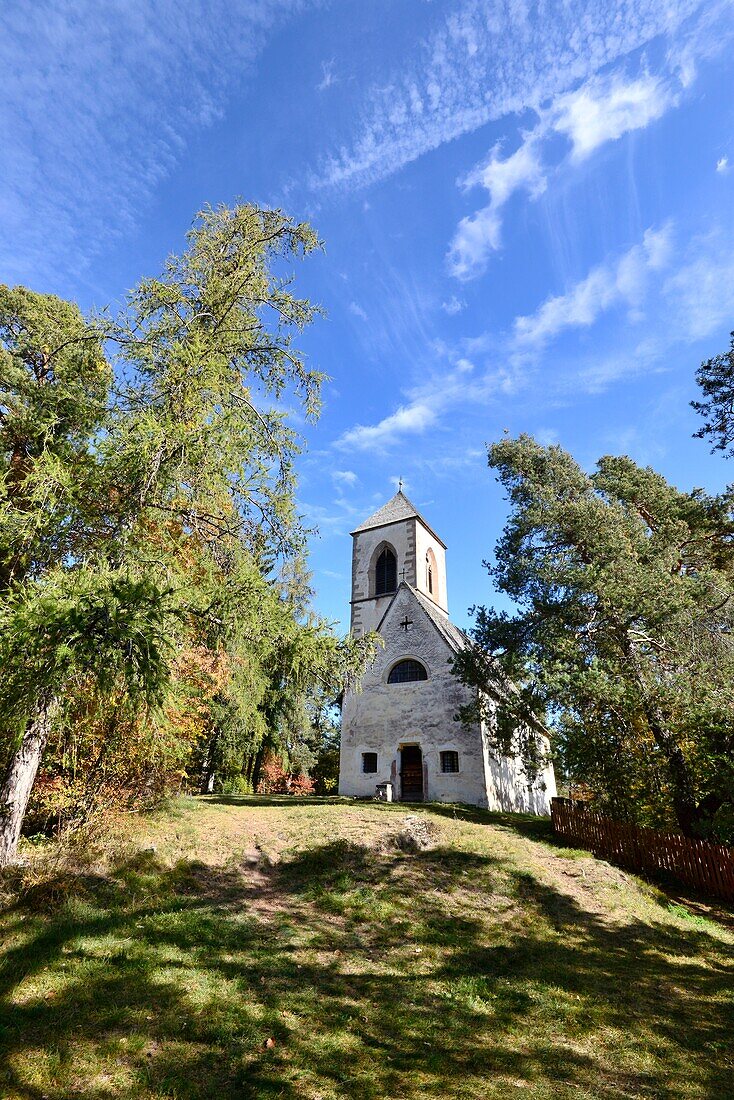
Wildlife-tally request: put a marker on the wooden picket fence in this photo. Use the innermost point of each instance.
(699, 863)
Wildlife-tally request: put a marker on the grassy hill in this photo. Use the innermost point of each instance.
(273, 948)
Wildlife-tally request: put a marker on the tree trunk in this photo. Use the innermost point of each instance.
(683, 791)
(208, 771)
(19, 780)
(693, 816)
(257, 768)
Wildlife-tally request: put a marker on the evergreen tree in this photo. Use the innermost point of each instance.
(715, 378)
(147, 499)
(623, 633)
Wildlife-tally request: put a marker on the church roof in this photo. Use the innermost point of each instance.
(451, 634)
(397, 508)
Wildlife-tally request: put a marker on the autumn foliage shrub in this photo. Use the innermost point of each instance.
(274, 779)
(301, 785)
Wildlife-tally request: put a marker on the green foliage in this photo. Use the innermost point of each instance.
(54, 382)
(100, 623)
(195, 436)
(623, 633)
(715, 378)
(325, 770)
(151, 558)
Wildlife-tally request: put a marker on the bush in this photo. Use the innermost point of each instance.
(274, 779)
(301, 785)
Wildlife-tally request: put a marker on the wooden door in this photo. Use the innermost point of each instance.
(411, 774)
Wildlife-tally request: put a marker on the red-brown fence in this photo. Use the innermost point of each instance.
(699, 863)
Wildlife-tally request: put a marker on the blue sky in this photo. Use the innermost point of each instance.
(527, 210)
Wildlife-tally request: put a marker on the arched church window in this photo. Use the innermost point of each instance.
(429, 574)
(386, 573)
(405, 672)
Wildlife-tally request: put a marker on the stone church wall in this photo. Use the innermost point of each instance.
(508, 788)
(384, 716)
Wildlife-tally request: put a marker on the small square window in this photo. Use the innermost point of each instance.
(369, 762)
(449, 761)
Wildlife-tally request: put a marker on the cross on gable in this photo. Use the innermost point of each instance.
(406, 623)
(402, 573)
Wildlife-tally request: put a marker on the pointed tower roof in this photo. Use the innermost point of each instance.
(397, 508)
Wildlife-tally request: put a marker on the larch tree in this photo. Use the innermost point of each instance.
(148, 489)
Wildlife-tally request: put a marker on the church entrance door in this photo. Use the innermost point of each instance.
(411, 774)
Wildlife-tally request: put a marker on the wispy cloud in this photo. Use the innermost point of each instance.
(453, 306)
(344, 477)
(601, 110)
(328, 79)
(722, 164)
(97, 103)
(685, 290)
(486, 61)
(356, 309)
(448, 388)
(624, 280)
(700, 295)
(413, 418)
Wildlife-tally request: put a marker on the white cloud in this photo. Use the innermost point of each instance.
(453, 306)
(722, 164)
(413, 418)
(357, 310)
(486, 61)
(479, 234)
(344, 477)
(607, 107)
(609, 284)
(601, 110)
(464, 366)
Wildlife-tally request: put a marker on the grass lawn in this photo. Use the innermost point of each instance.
(291, 948)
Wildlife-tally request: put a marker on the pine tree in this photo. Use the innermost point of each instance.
(623, 634)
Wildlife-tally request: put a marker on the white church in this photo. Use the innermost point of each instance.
(400, 729)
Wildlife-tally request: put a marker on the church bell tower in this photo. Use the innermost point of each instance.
(393, 545)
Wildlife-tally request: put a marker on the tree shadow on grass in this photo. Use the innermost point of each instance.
(346, 972)
(667, 889)
(273, 801)
(532, 826)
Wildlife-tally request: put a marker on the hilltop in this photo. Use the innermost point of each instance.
(321, 949)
